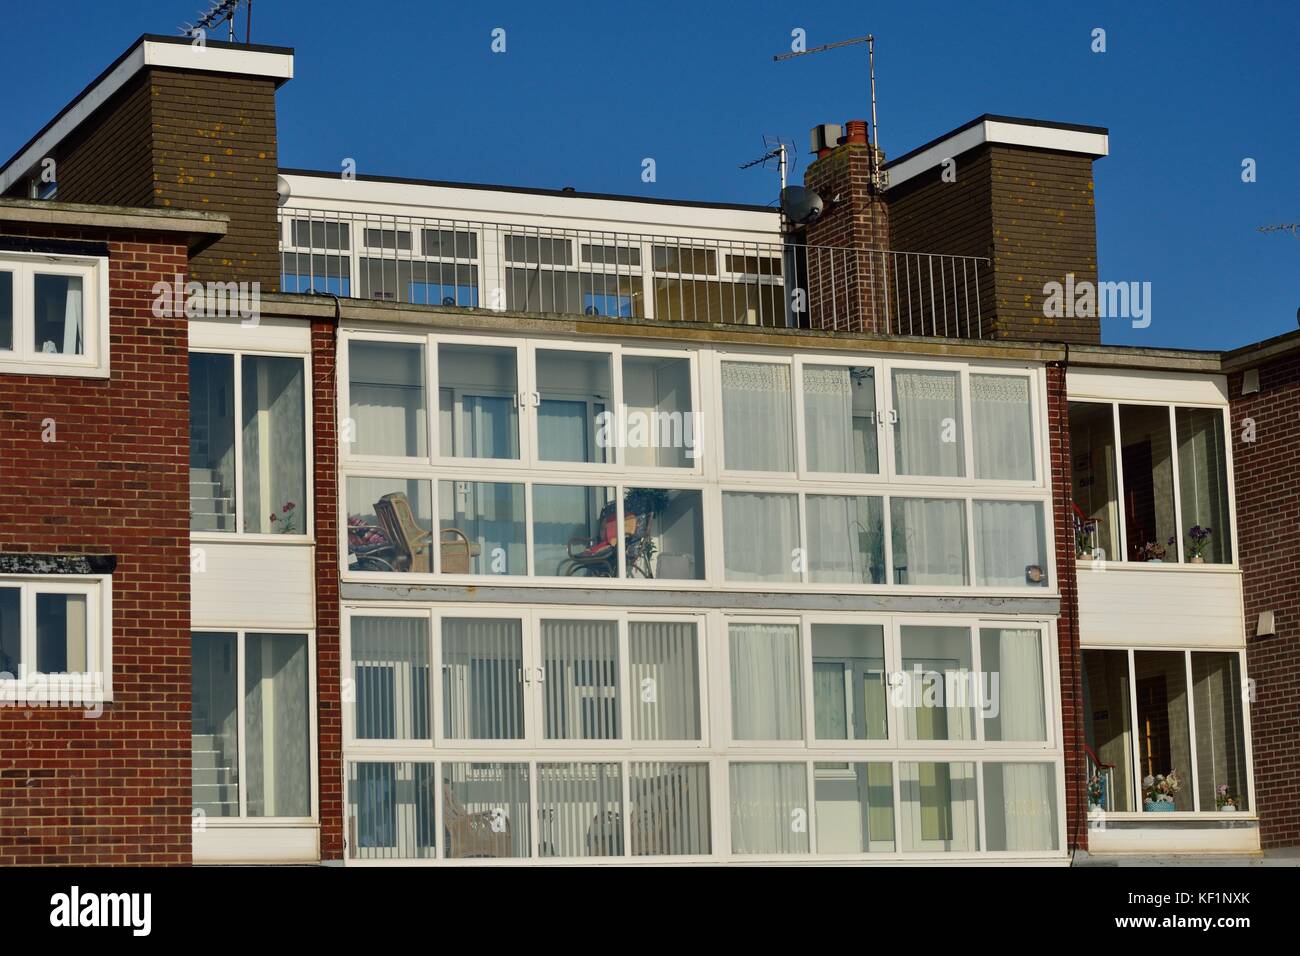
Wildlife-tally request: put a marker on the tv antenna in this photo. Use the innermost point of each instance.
(1293, 227)
(223, 11)
(873, 137)
(777, 152)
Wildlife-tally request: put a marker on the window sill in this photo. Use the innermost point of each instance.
(233, 537)
(38, 365)
(1148, 566)
(55, 691)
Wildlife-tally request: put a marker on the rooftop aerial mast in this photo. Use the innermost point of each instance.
(223, 11)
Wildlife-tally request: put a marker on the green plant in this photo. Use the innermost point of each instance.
(645, 501)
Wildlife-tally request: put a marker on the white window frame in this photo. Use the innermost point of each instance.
(306, 509)
(313, 707)
(24, 357)
(97, 679)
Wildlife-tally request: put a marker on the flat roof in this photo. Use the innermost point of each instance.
(566, 193)
(203, 228)
(150, 50)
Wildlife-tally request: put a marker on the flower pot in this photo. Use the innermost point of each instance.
(1158, 806)
(1228, 808)
(1197, 559)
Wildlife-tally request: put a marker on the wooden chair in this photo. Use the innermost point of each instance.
(457, 551)
(470, 835)
(411, 543)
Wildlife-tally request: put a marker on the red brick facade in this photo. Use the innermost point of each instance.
(1267, 474)
(328, 676)
(112, 789)
(1067, 624)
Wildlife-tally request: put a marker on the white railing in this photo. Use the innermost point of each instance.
(470, 264)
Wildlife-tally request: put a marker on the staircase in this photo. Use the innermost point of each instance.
(212, 508)
(213, 778)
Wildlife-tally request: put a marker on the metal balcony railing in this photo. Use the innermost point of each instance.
(462, 263)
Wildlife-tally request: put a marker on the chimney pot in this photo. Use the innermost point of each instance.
(855, 131)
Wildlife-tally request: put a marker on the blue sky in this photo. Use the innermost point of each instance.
(585, 91)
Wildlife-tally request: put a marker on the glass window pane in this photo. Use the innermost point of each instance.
(478, 388)
(575, 531)
(1108, 730)
(664, 668)
(1012, 702)
(580, 696)
(486, 810)
(386, 389)
(391, 811)
(939, 690)
(929, 539)
(1096, 495)
(1164, 744)
(939, 807)
(1203, 485)
(766, 682)
(61, 634)
(6, 311)
(850, 699)
(928, 434)
(390, 675)
(1002, 427)
(664, 533)
(760, 536)
(846, 540)
(1010, 544)
(661, 430)
(390, 525)
(11, 651)
(855, 807)
(769, 808)
(275, 445)
(212, 442)
(840, 421)
(576, 390)
(277, 714)
(757, 423)
(579, 809)
(1020, 806)
(670, 809)
(214, 724)
(1148, 483)
(481, 528)
(1220, 731)
(482, 679)
(57, 302)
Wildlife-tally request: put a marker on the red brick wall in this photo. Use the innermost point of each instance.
(328, 677)
(113, 789)
(1267, 473)
(1067, 625)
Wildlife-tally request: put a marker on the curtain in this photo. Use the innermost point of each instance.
(1009, 538)
(276, 716)
(1021, 806)
(274, 444)
(580, 697)
(839, 427)
(386, 392)
(390, 669)
(929, 539)
(1203, 480)
(1002, 427)
(670, 809)
(72, 319)
(928, 434)
(760, 536)
(769, 808)
(579, 809)
(766, 703)
(562, 431)
(756, 418)
(664, 668)
(1016, 658)
(846, 539)
(482, 664)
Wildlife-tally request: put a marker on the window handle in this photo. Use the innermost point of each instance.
(541, 675)
(537, 399)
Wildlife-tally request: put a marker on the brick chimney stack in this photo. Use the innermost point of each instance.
(845, 268)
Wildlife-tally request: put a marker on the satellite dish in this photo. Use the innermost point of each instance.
(801, 204)
(282, 190)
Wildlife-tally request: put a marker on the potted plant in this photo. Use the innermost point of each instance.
(283, 522)
(1224, 801)
(1158, 792)
(1198, 542)
(1151, 551)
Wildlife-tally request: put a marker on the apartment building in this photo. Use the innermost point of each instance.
(533, 525)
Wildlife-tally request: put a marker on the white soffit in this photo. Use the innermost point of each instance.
(146, 53)
(1008, 133)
